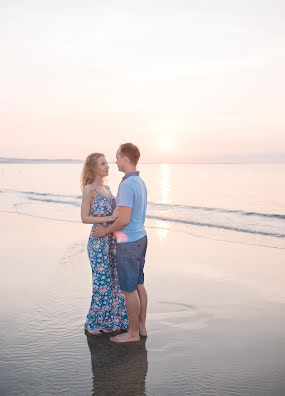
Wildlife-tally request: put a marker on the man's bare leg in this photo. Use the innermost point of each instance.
(133, 308)
(142, 318)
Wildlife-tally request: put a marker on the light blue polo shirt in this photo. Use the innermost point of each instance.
(133, 194)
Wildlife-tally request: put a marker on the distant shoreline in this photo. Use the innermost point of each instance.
(4, 160)
(37, 160)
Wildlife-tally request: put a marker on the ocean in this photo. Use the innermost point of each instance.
(248, 200)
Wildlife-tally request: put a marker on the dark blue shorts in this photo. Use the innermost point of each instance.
(130, 259)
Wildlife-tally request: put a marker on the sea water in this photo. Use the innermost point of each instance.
(248, 200)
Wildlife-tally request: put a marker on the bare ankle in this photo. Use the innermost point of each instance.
(133, 333)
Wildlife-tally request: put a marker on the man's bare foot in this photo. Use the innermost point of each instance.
(143, 332)
(93, 332)
(125, 337)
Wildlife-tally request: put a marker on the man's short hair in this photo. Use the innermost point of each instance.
(131, 151)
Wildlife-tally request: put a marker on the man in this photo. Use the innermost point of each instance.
(132, 241)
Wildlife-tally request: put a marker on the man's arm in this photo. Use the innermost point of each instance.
(123, 220)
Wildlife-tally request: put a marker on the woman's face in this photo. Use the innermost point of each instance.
(102, 167)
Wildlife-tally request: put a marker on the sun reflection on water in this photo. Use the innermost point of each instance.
(162, 229)
(164, 183)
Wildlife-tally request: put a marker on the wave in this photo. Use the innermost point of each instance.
(257, 223)
(220, 210)
(55, 201)
(32, 195)
(222, 227)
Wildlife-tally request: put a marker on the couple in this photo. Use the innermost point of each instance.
(119, 298)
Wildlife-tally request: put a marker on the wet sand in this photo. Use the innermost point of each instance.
(216, 318)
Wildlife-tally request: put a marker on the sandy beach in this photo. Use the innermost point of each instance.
(215, 319)
(189, 96)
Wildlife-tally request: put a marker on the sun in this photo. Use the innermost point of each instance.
(164, 143)
(163, 132)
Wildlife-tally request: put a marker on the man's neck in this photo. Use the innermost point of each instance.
(130, 169)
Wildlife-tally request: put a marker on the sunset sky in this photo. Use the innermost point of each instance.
(184, 80)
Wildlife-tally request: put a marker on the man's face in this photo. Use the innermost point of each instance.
(120, 161)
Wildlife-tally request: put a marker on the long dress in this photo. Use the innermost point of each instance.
(108, 306)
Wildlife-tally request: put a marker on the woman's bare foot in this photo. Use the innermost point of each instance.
(107, 331)
(93, 332)
(125, 337)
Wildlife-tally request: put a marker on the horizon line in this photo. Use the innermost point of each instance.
(15, 160)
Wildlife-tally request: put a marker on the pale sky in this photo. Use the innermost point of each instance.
(185, 80)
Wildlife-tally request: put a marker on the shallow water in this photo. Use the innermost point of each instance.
(216, 308)
(247, 200)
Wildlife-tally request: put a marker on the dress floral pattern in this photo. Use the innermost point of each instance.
(108, 306)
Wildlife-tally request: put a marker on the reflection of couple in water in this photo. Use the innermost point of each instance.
(118, 368)
(116, 247)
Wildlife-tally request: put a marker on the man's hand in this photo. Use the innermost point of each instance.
(99, 232)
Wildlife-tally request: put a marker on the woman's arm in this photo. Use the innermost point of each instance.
(87, 196)
(123, 220)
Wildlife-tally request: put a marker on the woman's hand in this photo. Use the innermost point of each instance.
(115, 214)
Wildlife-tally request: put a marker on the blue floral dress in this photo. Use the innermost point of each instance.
(108, 306)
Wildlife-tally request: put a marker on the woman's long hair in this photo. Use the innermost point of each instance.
(88, 173)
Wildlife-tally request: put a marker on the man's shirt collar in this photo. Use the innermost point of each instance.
(136, 173)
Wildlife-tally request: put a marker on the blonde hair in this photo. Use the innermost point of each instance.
(88, 173)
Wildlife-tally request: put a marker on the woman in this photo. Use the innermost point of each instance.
(108, 309)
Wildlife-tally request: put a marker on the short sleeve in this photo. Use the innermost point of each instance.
(126, 195)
